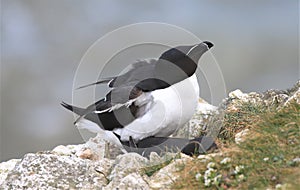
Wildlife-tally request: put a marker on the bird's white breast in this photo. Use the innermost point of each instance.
(171, 108)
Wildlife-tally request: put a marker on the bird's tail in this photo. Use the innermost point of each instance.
(77, 110)
(103, 81)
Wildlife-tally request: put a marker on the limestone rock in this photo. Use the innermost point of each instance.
(295, 95)
(164, 178)
(131, 182)
(49, 171)
(269, 98)
(97, 148)
(237, 97)
(199, 121)
(124, 165)
(238, 94)
(275, 97)
(93, 149)
(103, 166)
(6, 167)
(154, 158)
(62, 150)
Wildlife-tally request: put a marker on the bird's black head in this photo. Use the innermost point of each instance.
(186, 57)
(194, 52)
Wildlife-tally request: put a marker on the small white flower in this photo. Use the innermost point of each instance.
(225, 161)
(207, 182)
(208, 173)
(297, 160)
(211, 165)
(278, 186)
(198, 176)
(217, 179)
(241, 177)
(266, 159)
(238, 169)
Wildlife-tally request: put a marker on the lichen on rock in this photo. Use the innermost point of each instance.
(50, 171)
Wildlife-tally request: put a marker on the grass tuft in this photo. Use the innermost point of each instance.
(268, 158)
(154, 167)
(241, 118)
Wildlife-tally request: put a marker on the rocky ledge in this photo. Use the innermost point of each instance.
(89, 166)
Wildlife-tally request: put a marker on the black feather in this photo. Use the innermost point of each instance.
(67, 106)
(103, 81)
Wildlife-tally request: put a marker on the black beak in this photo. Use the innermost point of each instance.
(209, 44)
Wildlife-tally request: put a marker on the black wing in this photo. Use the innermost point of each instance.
(110, 112)
(141, 74)
(119, 107)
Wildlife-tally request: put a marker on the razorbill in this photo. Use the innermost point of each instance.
(152, 99)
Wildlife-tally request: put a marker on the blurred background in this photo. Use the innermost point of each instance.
(42, 42)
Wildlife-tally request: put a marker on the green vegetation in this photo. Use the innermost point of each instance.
(154, 167)
(268, 158)
(150, 170)
(239, 119)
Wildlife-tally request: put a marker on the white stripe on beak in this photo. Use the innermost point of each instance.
(193, 48)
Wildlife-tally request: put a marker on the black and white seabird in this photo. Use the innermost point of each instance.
(152, 99)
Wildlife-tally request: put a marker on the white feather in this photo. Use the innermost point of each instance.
(171, 108)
